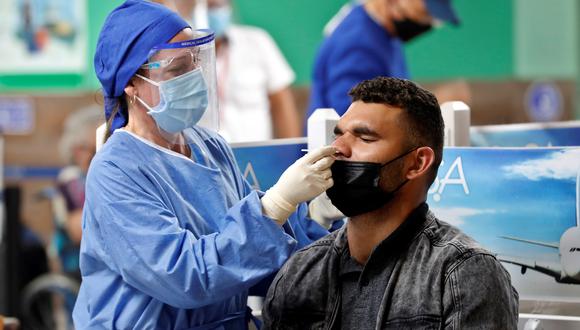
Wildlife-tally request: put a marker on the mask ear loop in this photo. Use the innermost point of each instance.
(406, 180)
(401, 156)
(135, 97)
(399, 186)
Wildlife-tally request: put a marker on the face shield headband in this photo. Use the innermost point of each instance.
(183, 73)
(151, 64)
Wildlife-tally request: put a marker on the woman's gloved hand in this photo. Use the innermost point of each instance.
(322, 211)
(307, 178)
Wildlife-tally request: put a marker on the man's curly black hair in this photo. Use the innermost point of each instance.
(422, 115)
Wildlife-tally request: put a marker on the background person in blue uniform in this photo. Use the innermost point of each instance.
(368, 43)
(173, 236)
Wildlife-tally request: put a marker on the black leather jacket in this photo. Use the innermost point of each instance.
(429, 275)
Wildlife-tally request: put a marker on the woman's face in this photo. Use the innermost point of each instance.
(148, 92)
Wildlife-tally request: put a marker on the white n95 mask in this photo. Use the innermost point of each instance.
(182, 101)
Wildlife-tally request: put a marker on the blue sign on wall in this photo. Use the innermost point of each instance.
(544, 102)
(16, 115)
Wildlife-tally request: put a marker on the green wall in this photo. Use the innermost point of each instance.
(546, 43)
(481, 47)
(296, 25)
(498, 39)
(98, 11)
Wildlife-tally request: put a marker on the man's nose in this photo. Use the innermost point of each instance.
(342, 146)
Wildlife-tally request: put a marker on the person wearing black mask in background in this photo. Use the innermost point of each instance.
(394, 264)
(368, 43)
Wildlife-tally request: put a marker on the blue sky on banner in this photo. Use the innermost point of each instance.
(491, 193)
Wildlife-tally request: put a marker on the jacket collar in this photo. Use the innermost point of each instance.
(400, 239)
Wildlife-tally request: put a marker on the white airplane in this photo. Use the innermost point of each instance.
(569, 249)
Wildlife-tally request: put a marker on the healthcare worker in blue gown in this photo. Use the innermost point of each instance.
(173, 236)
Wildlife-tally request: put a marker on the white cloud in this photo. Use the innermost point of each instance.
(560, 165)
(457, 215)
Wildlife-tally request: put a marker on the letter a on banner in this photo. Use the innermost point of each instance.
(459, 181)
(250, 175)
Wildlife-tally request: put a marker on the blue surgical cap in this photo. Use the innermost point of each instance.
(129, 33)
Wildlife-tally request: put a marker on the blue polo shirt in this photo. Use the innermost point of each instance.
(358, 49)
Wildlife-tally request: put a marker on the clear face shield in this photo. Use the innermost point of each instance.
(183, 89)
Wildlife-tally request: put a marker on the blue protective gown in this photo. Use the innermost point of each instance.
(169, 243)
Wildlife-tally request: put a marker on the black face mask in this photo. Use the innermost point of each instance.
(356, 186)
(407, 29)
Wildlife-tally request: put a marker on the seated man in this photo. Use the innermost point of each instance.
(394, 265)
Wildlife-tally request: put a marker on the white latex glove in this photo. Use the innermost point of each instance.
(322, 211)
(307, 178)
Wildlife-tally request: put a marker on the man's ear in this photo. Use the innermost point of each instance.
(423, 159)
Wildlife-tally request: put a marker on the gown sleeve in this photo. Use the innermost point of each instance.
(153, 253)
(304, 230)
(299, 225)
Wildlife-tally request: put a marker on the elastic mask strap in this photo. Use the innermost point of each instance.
(406, 180)
(144, 104)
(399, 186)
(154, 83)
(401, 156)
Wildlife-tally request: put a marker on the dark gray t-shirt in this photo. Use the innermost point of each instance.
(362, 287)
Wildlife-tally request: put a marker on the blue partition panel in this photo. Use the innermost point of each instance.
(520, 203)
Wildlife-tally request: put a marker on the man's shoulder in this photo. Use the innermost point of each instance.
(299, 292)
(453, 251)
(353, 19)
(356, 36)
(450, 241)
(317, 250)
(359, 26)
(313, 259)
